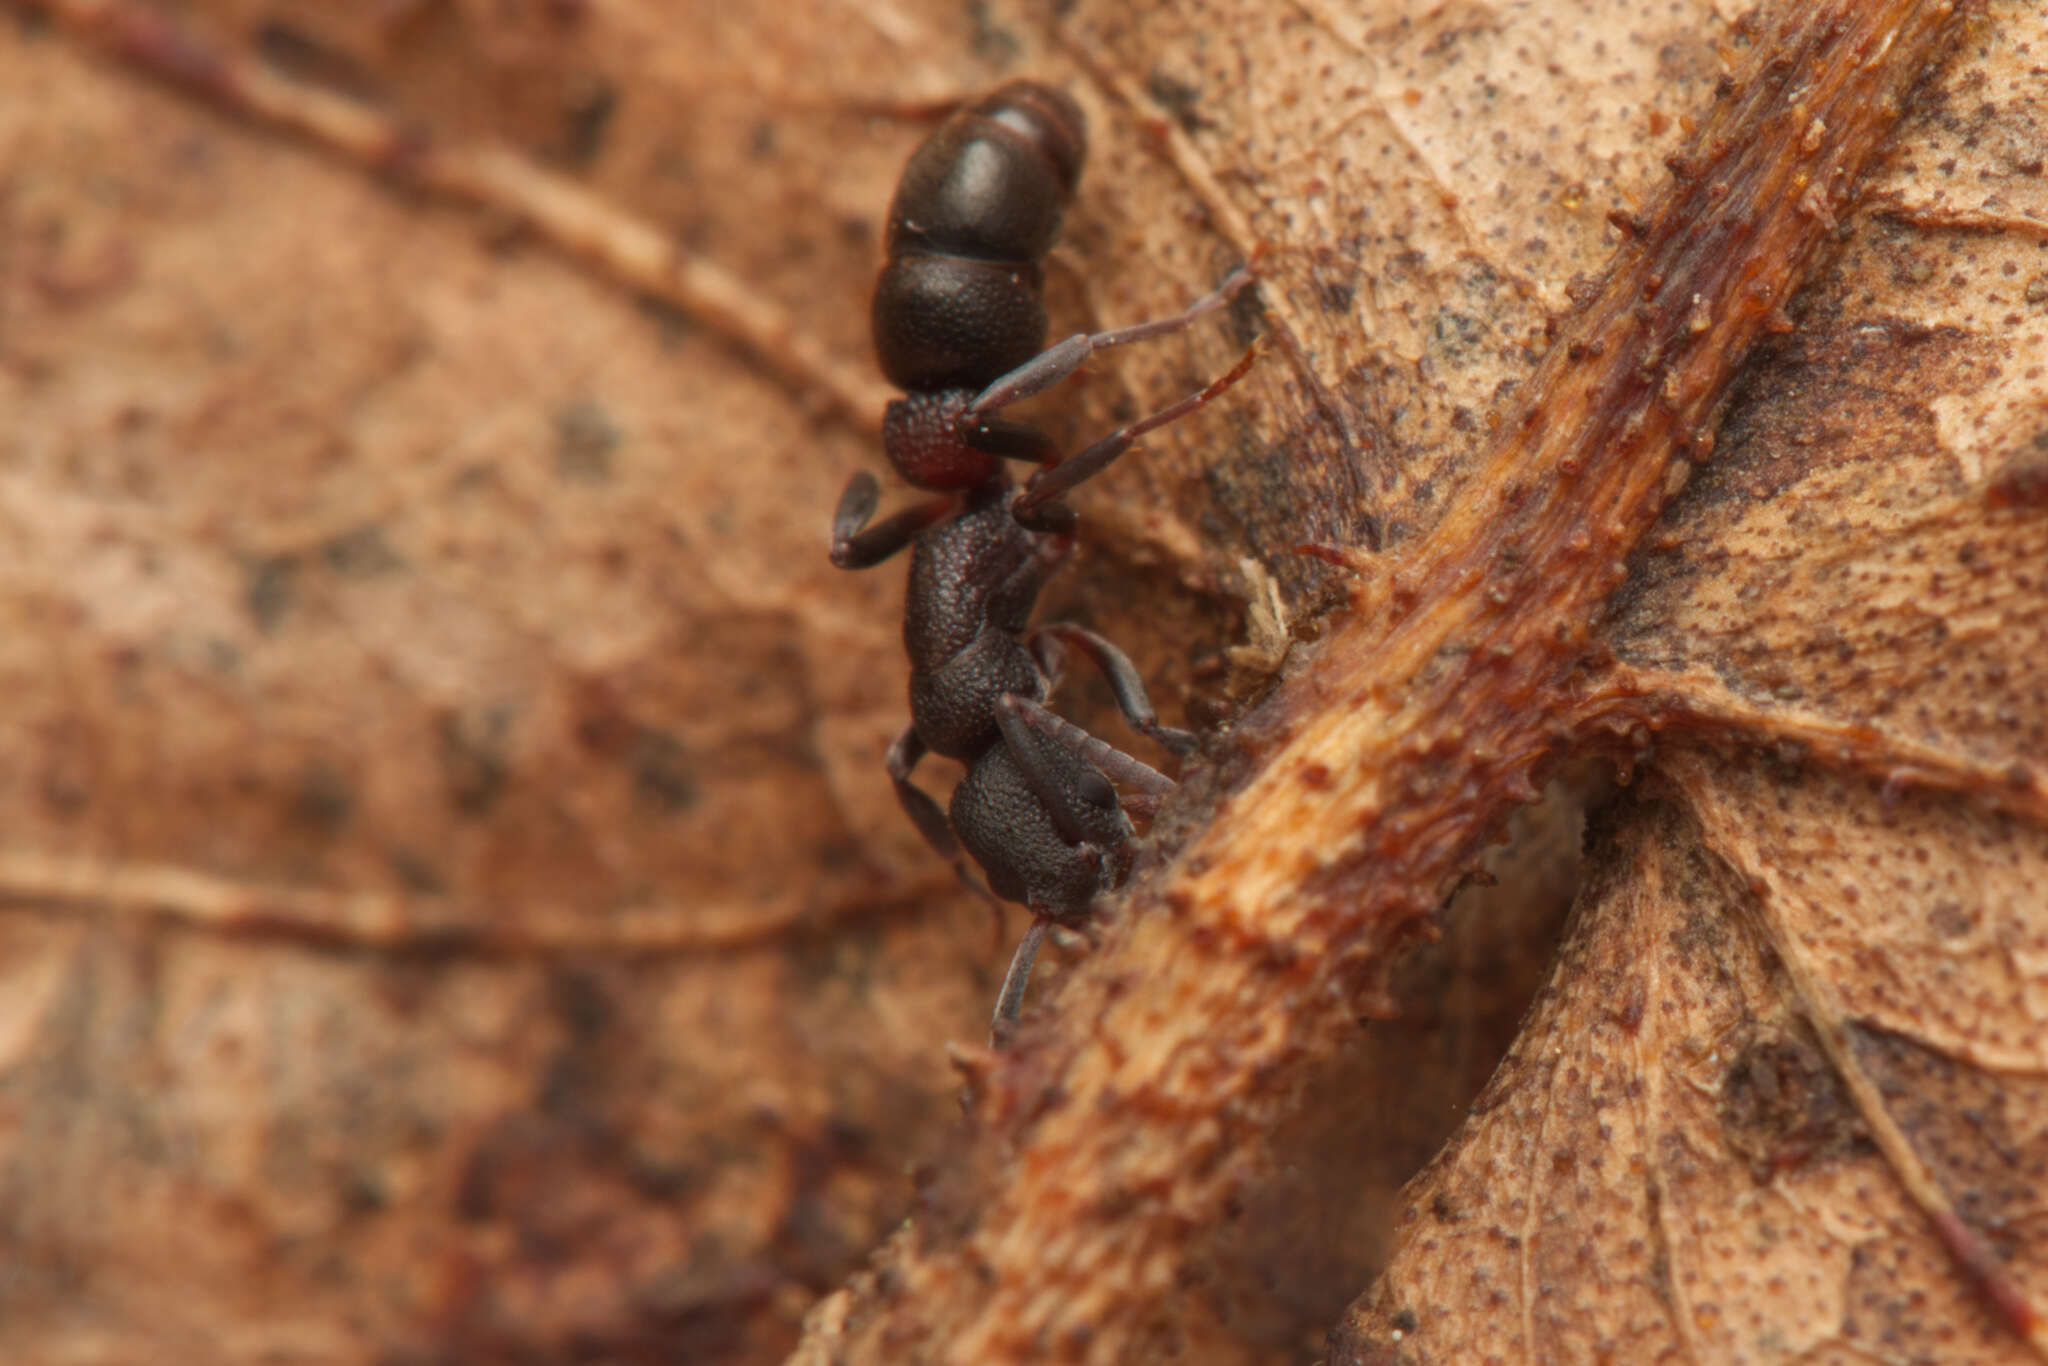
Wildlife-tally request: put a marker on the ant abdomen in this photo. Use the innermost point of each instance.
(992, 181)
(979, 205)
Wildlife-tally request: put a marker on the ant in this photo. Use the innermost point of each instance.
(959, 326)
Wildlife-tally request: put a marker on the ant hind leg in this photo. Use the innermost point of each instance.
(1124, 681)
(930, 819)
(1010, 1001)
(1015, 714)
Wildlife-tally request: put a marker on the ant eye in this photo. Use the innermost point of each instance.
(1096, 791)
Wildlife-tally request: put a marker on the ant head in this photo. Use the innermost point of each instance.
(926, 441)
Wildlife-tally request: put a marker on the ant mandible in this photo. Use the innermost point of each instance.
(959, 326)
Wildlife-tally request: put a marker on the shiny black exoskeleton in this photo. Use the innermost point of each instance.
(959, 325)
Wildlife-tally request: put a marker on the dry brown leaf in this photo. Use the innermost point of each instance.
(1799, 1026)
(455, 908)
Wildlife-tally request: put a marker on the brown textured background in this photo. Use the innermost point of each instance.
(453, 906)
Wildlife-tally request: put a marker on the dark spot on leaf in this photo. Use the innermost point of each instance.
(583, 1004)
(473, 760)
(662, 771)
(586, 117)
(1337, 297)
(1701, 932)
(1179, 99)
(362, 553)
(414, 872)
(270, 587)
(1458, 334)
(1950, 920)
(324, 800)
(585, 438)
(1784, 1107)
(676, 325)
(304, 58)
(1633, 1007)
(362, 1192)
(991, 41)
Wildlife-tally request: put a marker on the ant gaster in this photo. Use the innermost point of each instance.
(959, 326)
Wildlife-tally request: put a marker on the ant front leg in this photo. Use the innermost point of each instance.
(1008, 440)
(1038, 503)
(1124, 681)
(856, 545)
(1062, 359)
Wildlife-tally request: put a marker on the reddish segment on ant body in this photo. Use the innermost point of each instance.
(959, 325)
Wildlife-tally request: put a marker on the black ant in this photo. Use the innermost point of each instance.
(958, 325)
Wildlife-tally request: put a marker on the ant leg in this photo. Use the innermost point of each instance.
(1047, 485)
(904, 756)
(926, 814)
(1023, 720)
(1062, 359)
(1050, 656)
(1008, 440)
(1123, 679)
(1010, 1001)
(856, 545)
(1055, 782)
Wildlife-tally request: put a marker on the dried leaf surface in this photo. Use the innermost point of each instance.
(455, 906)
(1807, 976)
